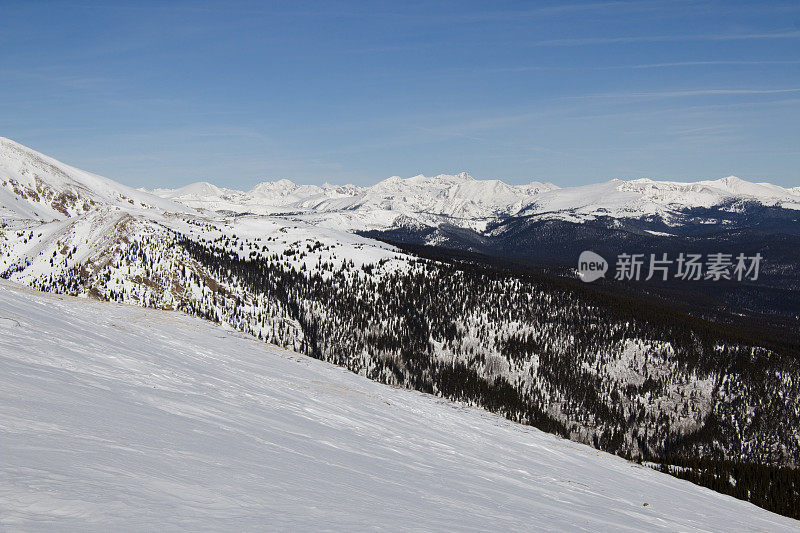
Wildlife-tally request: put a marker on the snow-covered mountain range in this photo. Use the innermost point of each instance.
(463, 201)
(33, 185)
(458, 199)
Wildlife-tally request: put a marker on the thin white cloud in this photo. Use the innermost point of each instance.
(584, 41)
(695, 64)
(669, 64)
(541, 11)
(685, 93)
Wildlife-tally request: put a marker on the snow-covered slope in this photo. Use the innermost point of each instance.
(120, 418)
(36, 187)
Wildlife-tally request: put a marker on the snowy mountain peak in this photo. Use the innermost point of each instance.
(278, 184)
(34, 186)
(731, 181)
(440, 179)
(739, 187)
(282, 185)
(198, 189)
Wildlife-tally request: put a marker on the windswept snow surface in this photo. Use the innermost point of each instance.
(119, 418)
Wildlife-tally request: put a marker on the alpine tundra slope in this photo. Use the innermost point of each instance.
(118, 418)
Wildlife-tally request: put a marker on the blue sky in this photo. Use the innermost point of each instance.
(164, 94)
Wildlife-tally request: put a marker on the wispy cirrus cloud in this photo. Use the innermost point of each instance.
(587, 41)
(670, 64)
(636, 66)
(685, 93)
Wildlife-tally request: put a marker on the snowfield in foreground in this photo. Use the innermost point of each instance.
(115, 417)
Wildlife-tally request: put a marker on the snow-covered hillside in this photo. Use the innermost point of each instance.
(120, 418)
(38, 188)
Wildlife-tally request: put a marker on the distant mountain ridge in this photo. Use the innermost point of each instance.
(463, 201)
(38, 186)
